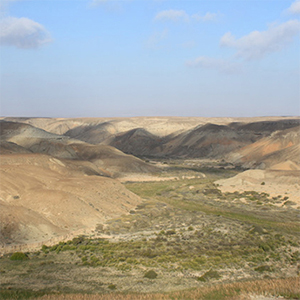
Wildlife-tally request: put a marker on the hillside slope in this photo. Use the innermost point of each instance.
(42, 198)
(280, 146)
(18, 136)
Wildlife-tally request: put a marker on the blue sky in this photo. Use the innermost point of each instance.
(106, 58)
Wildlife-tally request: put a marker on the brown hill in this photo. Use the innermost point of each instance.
(209, 141)
(112, 160)
(12, 130)
(52, 125)
(105, 157)
(138, 142)
(205, 140)
(160, 126)
(168, 136)
(9, 148)
(277, 147)
(93, 134)
(41, 198)
(265, 127)
(215, 141)
(280, 184)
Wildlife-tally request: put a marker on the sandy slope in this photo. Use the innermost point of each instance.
(40, 199)
(285, 183)
(278, 147)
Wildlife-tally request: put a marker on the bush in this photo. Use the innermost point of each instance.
(209, 275)
(171, 232)
(112, 286)
(263, 268)
(19, 256)
(150, 274)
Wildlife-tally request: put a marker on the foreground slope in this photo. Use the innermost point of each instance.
(53, 186)
(40, 199)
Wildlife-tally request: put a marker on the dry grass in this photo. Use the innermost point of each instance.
(287, 288)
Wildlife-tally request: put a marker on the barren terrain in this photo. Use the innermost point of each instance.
(92, 205)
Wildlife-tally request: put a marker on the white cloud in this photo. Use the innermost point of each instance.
(154, 40)
(173, 15)
(221, 65)
(295, 7)
(257, 44)
(22, 33)
(205, 18)
(181, 15)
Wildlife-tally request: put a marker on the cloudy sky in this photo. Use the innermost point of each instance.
(106, 58)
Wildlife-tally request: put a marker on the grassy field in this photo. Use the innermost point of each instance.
(196, 242)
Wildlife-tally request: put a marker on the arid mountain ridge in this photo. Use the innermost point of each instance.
(167, 137)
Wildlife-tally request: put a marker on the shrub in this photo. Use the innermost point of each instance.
(263, 268)
(44, 248)
(112, 286)
(171, 232)
(209, 275)
(78, 240)
(150, 274)
(19, 256)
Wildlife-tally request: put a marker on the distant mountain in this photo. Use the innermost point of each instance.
(280, 146)
(138, 142)
(36, 140)
(207, 141)
(93, 134)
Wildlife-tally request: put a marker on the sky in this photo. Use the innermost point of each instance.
(108, 58)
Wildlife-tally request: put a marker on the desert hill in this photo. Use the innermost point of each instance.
(203, 141)
(209, 140)
(93, 134)
(281, 182)
(111, 159)
(42, 198)
(37, 140)
(280, 146)
(160, 126)
(10, 147)
(138, 142)
(266, 127)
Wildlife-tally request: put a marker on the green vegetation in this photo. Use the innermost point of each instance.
(150, 274)
(19, 256)
(209, 275)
